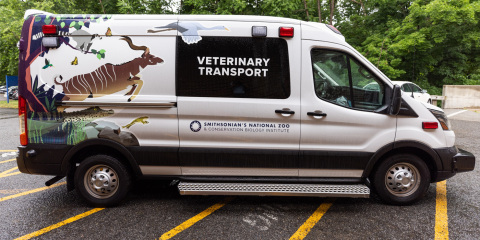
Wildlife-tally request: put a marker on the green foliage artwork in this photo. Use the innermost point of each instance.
(429, 42)
(100, 54)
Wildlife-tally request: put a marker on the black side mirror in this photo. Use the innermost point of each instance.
(396, 100)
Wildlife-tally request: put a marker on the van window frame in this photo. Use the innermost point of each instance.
(349, 55)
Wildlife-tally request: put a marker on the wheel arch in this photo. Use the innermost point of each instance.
(426, 153)
(92, 147)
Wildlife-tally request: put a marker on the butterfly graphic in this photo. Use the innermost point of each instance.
(109, 32)
(47, 64)
(75, 62)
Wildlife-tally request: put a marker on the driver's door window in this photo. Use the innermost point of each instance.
(330, 70)
(342, 80)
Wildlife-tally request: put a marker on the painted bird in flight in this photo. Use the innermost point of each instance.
(189, 30)
(47, 64)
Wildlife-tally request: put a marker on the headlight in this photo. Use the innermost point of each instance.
(442, 118)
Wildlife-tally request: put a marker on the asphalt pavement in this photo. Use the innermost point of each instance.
(155, 208)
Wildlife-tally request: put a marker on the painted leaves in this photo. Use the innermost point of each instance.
(100, 54)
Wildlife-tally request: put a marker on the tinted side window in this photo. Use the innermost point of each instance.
(368, 90)
(330, 71)
(415, 88)
(233, 67)
(342, 80)
(406, 87)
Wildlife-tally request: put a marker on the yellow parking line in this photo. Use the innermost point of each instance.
(195, 219)
(312, 220)
(31, 191)
(8, 150)
(9, 160)
(64, 222)
(9, 170)
(441, 215)
(10, 174)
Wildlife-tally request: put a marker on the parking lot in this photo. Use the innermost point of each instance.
(155, 209)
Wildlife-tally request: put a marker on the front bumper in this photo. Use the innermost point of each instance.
(454, 160)
(463, 161)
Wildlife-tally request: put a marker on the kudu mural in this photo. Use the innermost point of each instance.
(109, 78)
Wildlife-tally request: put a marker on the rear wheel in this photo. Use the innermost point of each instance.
(402, 179)
(102, 180)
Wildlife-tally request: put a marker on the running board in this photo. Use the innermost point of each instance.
(273, 189)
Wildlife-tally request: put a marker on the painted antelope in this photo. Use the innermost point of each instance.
(109, 78)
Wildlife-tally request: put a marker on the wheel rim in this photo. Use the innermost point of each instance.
(101, 181)
(402, 179)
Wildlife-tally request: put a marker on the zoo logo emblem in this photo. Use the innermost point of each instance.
(195, 126)
(75, 62)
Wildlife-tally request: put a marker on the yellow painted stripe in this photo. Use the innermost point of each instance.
(9, 160)
(312, 220)
(62, 223)
(195, 219)
(8, 150)
(9, 170)
(31, 191)
(10, 174)
(441, 216)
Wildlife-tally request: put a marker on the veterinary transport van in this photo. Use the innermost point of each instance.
(226, 105)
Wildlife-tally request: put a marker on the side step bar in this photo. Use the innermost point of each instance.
(273, 189)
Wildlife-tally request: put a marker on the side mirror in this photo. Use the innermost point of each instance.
(396, 100)
(424, 91)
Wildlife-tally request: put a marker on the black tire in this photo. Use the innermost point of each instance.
(429, 101)
(107, 170)
(393, 171)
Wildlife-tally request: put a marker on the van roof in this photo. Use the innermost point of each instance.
(240, 18)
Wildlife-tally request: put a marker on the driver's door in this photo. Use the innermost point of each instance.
(336, 81)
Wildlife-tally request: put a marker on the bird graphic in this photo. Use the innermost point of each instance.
(189, 30)
(47, 64)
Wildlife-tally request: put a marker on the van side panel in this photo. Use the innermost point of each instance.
(108, 79)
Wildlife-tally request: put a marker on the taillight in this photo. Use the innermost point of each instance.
(430, 125)
(285, 32)
(49, 29)
(22, 117)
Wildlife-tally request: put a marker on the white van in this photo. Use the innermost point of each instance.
(227, 105)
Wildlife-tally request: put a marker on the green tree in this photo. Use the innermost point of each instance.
(11, 20)
(430, 42)
(445, 37)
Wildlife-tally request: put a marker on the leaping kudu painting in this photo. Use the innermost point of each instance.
(109, 78)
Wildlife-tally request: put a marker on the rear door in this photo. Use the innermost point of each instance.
(341, 129)
(238, 101)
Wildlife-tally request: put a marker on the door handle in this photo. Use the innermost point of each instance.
(316, 114)
(284, 111)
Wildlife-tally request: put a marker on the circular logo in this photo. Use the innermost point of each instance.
(195, 126)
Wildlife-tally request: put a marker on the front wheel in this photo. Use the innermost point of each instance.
(102, 181)
(402, 179)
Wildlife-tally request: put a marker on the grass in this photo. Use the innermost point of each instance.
(12, 104)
